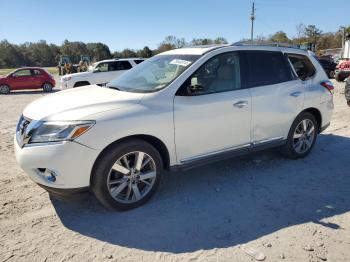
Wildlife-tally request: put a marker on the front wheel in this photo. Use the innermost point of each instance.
(302, 136)
(127, 175)
(4, 89)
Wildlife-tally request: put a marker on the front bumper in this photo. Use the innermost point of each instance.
(65, 84)
(69, 162)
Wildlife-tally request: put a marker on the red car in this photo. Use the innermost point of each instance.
(27, 78)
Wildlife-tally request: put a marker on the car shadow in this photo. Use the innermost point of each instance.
(32, 92)
(226, 203)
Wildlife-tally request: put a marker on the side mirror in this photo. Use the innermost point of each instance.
(194, 88)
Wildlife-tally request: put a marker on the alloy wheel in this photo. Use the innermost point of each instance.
(131, 177)
(304, 136)
(4, 89)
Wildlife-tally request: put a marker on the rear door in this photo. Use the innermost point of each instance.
(277, 95)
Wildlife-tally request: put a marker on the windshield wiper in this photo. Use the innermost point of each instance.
(114, 87)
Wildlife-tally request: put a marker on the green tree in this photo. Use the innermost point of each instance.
(145, 52)
(98, 51)
(280, 37)
(312, 33)
(10, 55)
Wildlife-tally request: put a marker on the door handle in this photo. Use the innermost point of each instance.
(240, 104)
(295, 94)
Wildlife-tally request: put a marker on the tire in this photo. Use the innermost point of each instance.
(348, 102)
(331, 74)
(113, 180)
(5, 89)
(339, 78)
(298, 137)
(47, 87)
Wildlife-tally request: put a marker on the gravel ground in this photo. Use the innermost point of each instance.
(263, 204)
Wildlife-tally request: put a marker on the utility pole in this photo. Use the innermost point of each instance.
(342, 41)
(252, 18)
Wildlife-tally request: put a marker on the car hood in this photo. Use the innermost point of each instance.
(82, 74)
(79, 103)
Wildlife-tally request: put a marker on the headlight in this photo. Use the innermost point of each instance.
(55, 131)
(66, 78)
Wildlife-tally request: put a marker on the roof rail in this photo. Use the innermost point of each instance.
(275, 44)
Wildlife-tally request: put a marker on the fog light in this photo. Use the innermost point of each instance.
(48, 174)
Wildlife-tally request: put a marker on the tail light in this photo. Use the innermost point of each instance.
(328, 85)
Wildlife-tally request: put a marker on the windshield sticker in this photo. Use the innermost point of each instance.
(180, 62)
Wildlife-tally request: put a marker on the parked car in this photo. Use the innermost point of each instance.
(342, 71)
(100, 73)
(27, 78)
(329, 67)
(347, 91)
(177, 110)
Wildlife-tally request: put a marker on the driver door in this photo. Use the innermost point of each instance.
(101, 73)
(212, 112)
(22, 79)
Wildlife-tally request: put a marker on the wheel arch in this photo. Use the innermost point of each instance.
(47, 82)
(154, 141)
(317, 114)
(77, 84)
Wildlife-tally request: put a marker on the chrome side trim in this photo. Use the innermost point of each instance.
(235, 148)
(190, 159)
(268, 140)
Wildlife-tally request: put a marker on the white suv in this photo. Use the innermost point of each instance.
(179, 109)
(100, 73)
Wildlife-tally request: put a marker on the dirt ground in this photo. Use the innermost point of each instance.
(287, 210)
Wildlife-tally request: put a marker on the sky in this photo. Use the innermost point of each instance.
(138, 23)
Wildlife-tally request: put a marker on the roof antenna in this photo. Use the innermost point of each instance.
(252, 18)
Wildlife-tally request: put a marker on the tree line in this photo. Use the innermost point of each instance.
(43, 54)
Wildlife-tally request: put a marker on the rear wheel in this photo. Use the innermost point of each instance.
(302, 136)
(127, 175)
(339, 78)
(4, 89)
(47, 87)
(348, 102)
(331, 74)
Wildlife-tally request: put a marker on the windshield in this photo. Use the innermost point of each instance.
(154, 73)
(91, 67)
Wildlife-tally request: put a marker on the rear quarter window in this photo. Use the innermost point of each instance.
(138, 61)
(302, 66)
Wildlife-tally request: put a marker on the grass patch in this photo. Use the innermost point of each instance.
(5, 71)
(51, 70)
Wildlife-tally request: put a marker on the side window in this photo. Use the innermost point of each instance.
(138, 61)
(267, 68)
(120, 65)
(102, 67)
(302, 66)
(24, 72)
(36, 72)
(219, 74)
